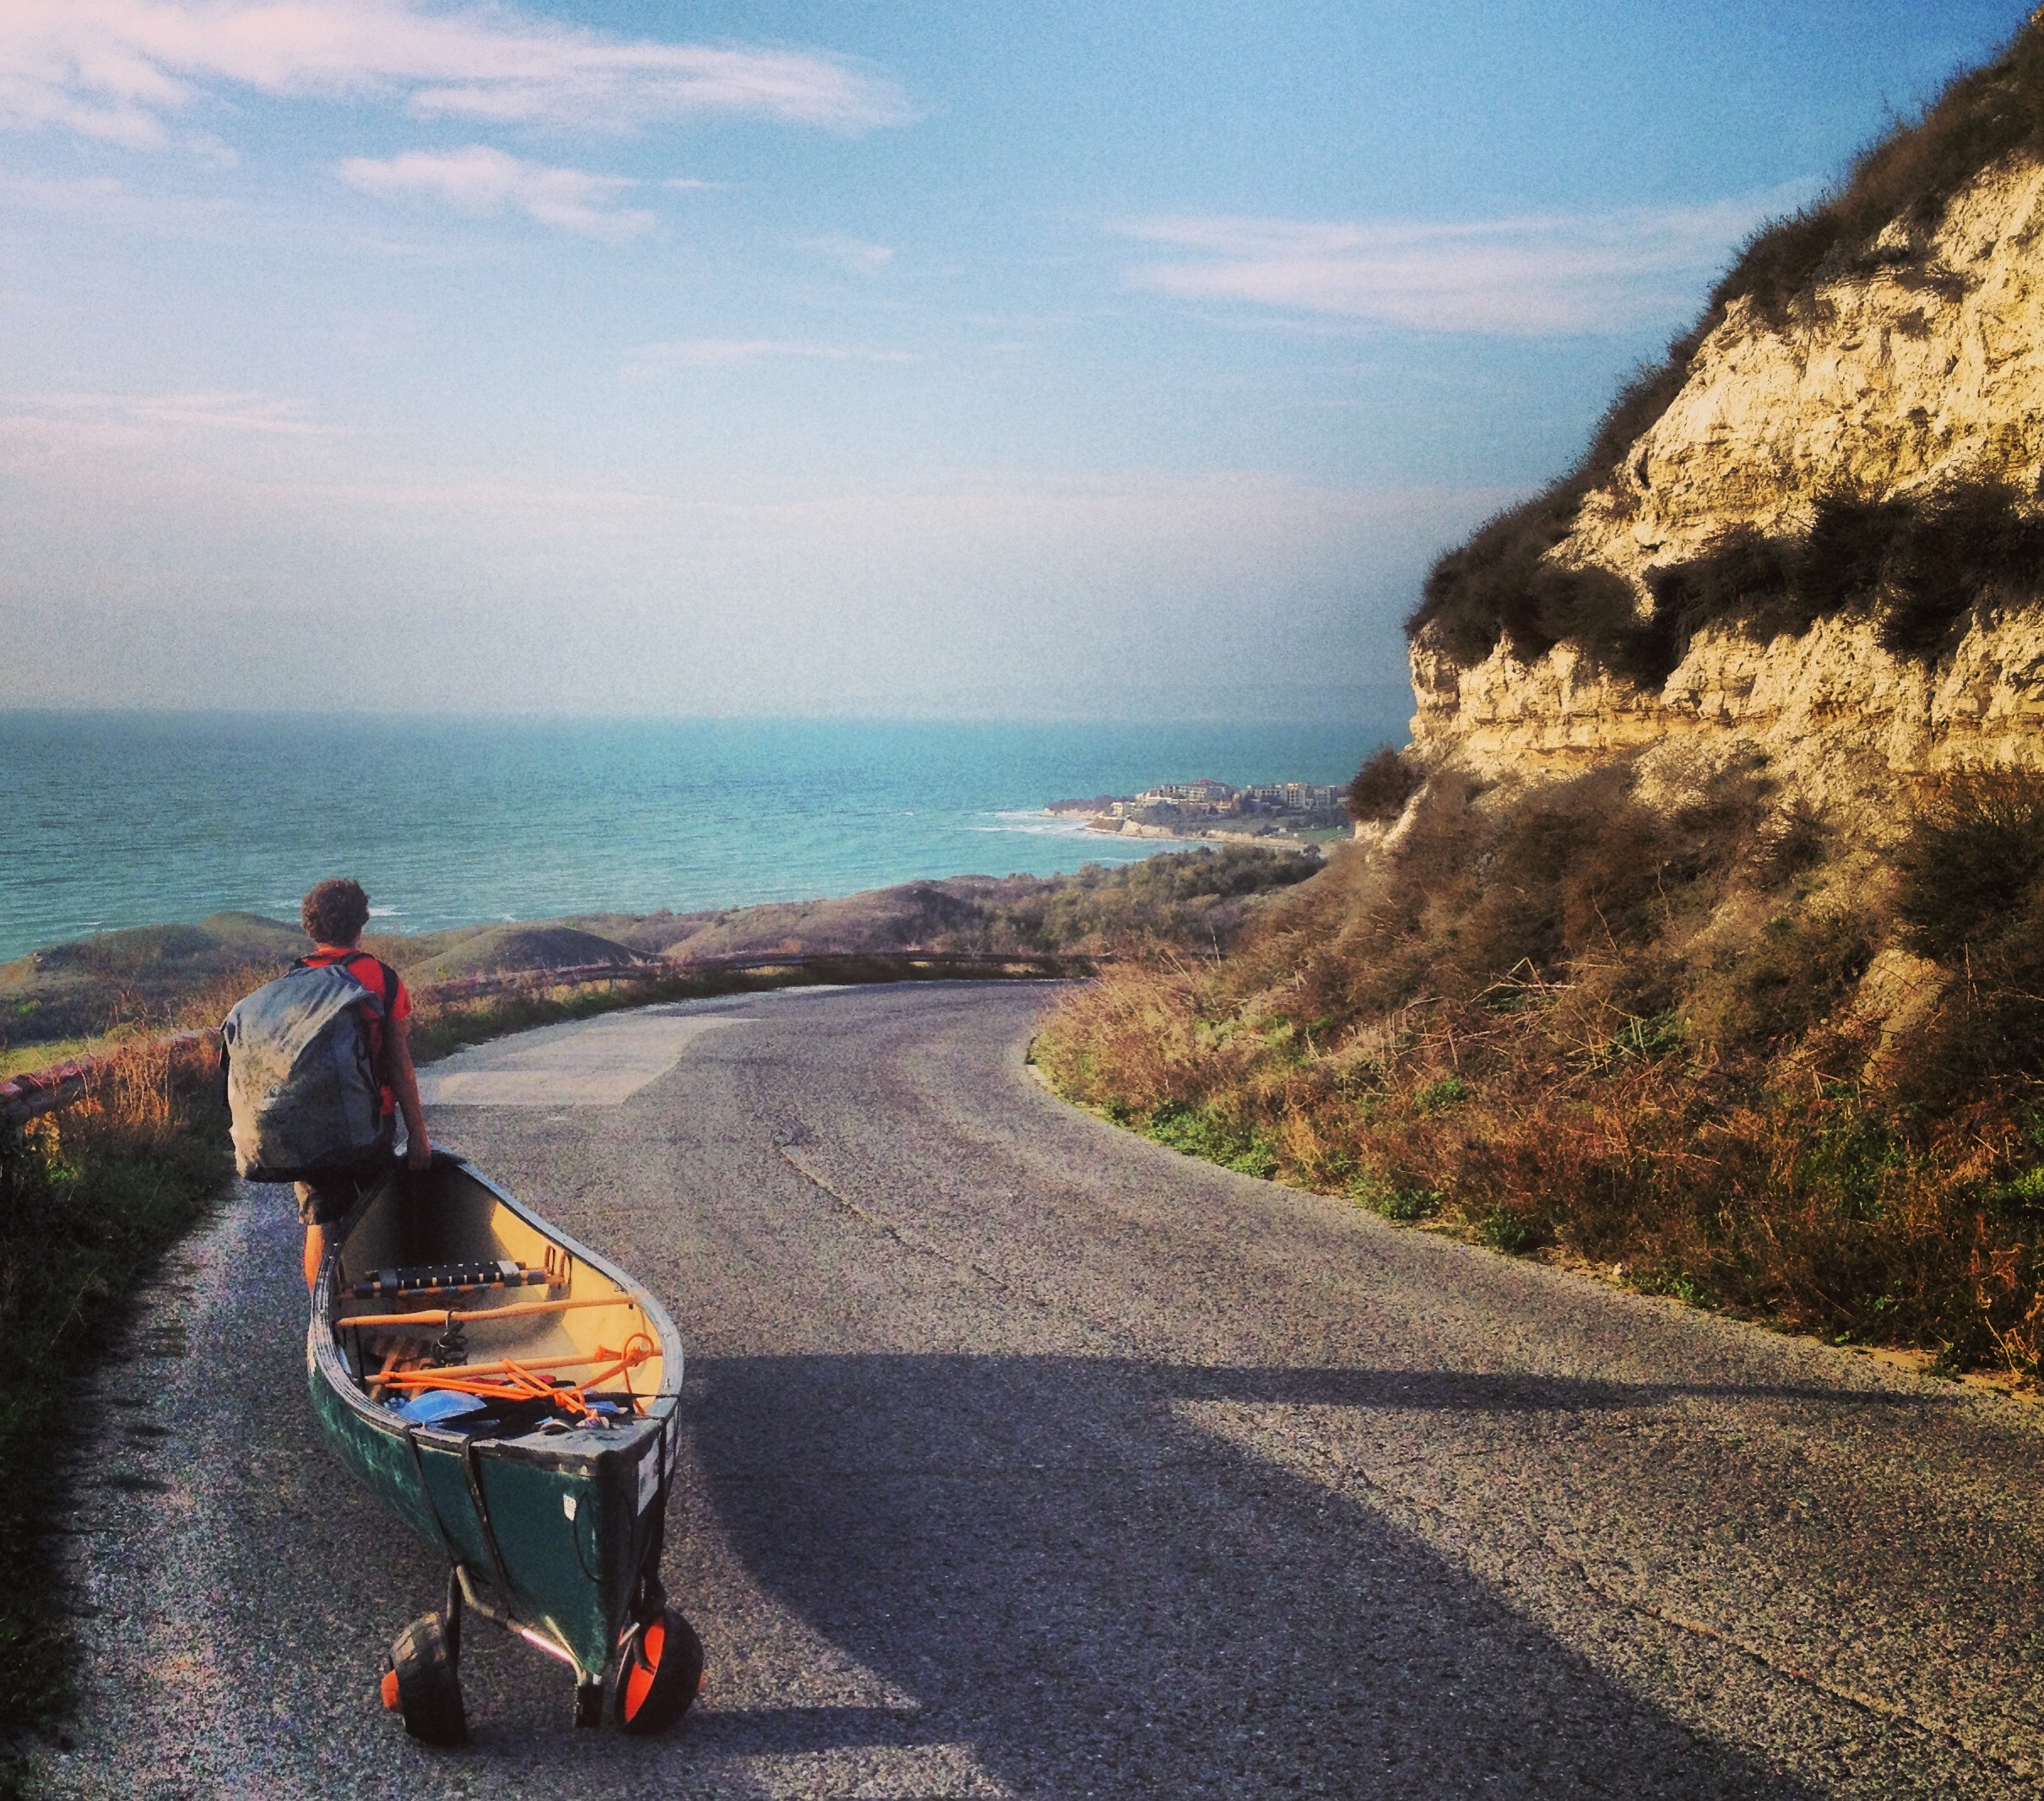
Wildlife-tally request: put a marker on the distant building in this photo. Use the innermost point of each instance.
(1291, 797)
(1170, 802)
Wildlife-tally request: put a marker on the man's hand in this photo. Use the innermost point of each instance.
(404, 1080)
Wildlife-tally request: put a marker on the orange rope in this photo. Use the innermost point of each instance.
(506, 1380)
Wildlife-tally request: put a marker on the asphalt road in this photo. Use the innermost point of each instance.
(1027, 1457)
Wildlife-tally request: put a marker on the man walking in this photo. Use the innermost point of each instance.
(333, 913)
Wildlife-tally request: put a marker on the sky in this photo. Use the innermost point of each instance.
(1047, 359)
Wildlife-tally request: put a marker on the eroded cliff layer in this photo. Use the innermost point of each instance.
(1913, 366)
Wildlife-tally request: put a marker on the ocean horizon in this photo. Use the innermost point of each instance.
(116, 819)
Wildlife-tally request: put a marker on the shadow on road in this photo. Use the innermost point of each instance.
(1064, 1571)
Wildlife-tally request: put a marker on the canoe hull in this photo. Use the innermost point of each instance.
(563, 1525)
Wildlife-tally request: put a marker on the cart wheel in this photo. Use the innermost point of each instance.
(661, 1676)
(422, 1684)
(589, 1704)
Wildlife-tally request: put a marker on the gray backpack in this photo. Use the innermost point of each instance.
(304, 1099)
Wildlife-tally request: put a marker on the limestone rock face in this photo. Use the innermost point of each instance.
(1888, 381)
(1831, 695)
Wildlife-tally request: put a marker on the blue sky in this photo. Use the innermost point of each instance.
(1029, 360)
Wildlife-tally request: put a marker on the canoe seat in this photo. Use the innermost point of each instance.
(448, 1278)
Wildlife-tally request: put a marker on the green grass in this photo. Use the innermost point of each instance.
(1199, 1133)
(1405, 1207)
(19, 1060)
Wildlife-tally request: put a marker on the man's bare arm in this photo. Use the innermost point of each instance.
(405, 1084)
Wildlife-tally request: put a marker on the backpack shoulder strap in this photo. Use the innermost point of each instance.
(387, 976)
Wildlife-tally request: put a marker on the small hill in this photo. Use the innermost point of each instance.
(191, 974)
(918, 914)
(496, 949)
(147, 972)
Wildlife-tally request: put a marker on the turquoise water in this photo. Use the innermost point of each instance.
(109, 820)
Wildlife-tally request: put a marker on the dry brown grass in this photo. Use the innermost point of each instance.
(1569, 1024)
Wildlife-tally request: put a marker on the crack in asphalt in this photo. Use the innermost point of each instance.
(1794, 1672)
(923, 1247)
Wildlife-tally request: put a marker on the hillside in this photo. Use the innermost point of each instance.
(1815, 529)
(159, 975)
(1697, 937)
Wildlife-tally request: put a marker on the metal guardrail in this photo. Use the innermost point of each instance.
(24, 1097)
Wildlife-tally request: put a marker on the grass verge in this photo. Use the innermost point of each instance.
(90, 1200)
(1720, 1050)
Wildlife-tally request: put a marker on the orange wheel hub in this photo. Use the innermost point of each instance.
(645, 1664)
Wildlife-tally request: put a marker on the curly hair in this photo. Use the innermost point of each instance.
(335, 911)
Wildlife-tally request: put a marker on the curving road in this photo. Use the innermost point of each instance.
(1029, 1458)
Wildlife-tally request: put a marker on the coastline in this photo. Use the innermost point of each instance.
(1264, 840)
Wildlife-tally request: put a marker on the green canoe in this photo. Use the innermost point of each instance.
(513, 1395)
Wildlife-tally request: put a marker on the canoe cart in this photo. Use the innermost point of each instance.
(514, 1396)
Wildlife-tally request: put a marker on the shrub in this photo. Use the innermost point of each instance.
(1803, 964)
(1908, 176)
(1437, 1096)
(1642, 1073)
(1406, 1206)
(1381, 786)
(1502, 1229)
(1484, 591)
(1972, 860)
(1789, 845)
(1743, 579)
(1961, 544)
(1919, 563)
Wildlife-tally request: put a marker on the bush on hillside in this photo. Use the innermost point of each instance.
(1743, 579)
(1917, 564)
(1972, 862)
(1379, 790)
(1908, 176)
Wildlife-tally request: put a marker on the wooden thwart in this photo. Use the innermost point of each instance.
(507, 1366)
(446, 1316)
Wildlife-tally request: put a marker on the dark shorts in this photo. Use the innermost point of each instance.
(320, 1203)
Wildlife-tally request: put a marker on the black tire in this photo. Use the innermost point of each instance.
(661, 1676)
(429, 1689)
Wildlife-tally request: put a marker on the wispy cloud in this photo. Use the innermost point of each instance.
(234, 410)
(117, 69)
(726, 353)
(852, 254)
(482, 180)
(1542, 276)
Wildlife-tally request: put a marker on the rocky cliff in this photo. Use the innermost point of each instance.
(1912, 362)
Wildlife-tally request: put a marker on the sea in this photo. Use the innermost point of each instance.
(109, 820)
